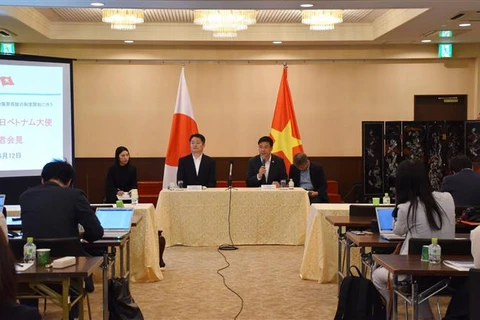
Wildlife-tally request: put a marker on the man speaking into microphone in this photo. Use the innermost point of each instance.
(265, 168)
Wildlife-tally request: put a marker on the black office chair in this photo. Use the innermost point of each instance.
(59, 247)
(474, 293)
(452, 247)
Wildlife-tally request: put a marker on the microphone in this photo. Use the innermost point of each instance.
(230, 175)
(263, 161)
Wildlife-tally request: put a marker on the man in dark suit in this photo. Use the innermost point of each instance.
(54, 210)
(464, 183)
(310, 176)
(265, 168)
(197, 168)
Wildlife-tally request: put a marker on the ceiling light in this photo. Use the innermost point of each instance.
(277, 42)
(123, 19)
(322, 19)
(464, 25)
(426, 40)
(97, 4)
(306, 5)
(129, 41)
(225, 23)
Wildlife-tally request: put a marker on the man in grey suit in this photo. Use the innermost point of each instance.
(464, 183)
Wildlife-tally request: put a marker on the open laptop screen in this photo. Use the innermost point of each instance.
(2, 202)
(115, 218)
(385, 218)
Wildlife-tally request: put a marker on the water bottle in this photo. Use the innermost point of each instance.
(386, 199)
(434, 252)
(291, 185)
(29, 250)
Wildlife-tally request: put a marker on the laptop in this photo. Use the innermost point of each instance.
(116, 222)
(385, 223)
(2, 202)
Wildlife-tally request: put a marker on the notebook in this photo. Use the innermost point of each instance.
(385, 223)
(116, 222)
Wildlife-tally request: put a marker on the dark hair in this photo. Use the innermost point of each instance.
(460, 162)
(117, 154)
(299, 159)
(59, 170)
(412, 185)
(199, 136)
(7, 271)
(266, 139)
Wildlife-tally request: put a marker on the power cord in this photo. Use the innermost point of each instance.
(229, 246)
(226, 285)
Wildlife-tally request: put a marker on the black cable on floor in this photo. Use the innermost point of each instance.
(226, 285)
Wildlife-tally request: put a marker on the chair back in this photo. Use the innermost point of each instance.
(452, 247)
(59, 247)
(362, 211)
(474, 293)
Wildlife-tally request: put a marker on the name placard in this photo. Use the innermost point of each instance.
(268, 187)
(194, 187)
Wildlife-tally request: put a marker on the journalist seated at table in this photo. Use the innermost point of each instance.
(9, 309)
(421, 213)
(464, 183)
(197, 168)
(309, 176)
(265, 168)
(54, 210)
(121, 176)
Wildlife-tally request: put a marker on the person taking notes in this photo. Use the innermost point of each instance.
(121, 177)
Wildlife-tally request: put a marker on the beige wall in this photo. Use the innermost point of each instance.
(131, 103)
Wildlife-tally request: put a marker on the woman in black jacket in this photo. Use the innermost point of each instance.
(121, 177)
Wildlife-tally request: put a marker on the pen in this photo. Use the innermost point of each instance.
(20, 265)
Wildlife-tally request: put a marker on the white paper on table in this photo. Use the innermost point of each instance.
(19, 267)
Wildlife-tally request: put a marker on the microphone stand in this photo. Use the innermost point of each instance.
(229, 188)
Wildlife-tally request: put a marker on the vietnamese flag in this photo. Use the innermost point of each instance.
(183, 126)
(6, 81)
(284, 131)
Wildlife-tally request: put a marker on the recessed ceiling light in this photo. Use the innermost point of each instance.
(97, 4)
(129, 41)
(277, 42)
(306, 5)
(426, 40)
(464, 25)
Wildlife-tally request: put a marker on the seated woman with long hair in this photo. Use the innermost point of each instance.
(9, 309)
(420, 213)
(121, 177)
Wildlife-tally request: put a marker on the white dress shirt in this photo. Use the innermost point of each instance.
(197, 162)
(475, 238)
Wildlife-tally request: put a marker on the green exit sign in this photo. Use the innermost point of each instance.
(7, 48)
(445, 50)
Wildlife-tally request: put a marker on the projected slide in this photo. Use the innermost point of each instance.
(35, 116)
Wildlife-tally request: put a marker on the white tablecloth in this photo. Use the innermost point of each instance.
(201, 218)
(321, 247)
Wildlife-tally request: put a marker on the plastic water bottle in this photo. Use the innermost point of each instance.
(386, 199)
(291, 185)
(29, 250)
(434, 252)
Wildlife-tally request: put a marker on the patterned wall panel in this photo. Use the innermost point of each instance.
(472, 140)
(415, 140)
(393, 154)
(372, 145)
(436, 141)
(455, 132)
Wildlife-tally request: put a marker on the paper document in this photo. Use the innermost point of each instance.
(19, 267)
(459, 265)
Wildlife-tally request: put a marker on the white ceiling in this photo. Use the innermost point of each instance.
(170, 22)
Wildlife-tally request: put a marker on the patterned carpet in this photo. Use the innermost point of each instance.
(266, 277)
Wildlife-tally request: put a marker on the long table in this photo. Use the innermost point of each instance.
(144, 257)
(201, 218)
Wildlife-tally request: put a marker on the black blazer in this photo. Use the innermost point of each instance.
(14, 311)
(207, 173)
(276, 172)
(317, 176)
(51, 211)
(464, 186)
(119, 178)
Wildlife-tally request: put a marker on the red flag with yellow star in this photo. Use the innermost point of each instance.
(284, 131)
